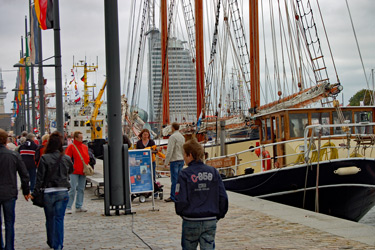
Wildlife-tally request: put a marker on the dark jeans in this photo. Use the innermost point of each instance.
(175, 168)
(202, 232)
(154, 170)
(32, 175)
(8, 208)
(54, 209)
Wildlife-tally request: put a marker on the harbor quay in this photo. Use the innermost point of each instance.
(250, 223)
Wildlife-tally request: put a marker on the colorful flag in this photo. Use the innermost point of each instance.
(44, 13)
(83, 79)
(34, 42)
(74, 78)
(22, 81)
(78, 98)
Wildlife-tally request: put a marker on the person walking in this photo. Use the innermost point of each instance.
(42, 147)
(78, 151)
(10, 143)
(11, 163)
(201, 199)
(53, 175)
(175, 157)
(30, 156)
(145, 141)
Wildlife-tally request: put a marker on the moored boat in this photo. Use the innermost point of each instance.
(331, 169)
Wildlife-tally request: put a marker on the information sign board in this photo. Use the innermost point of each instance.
(140, 171)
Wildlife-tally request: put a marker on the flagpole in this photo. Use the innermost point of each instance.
(58, 76)
(32, 81)
(27, 80)
(23, 128)
(42, 109)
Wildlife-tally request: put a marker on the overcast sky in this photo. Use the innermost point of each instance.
(82, 36)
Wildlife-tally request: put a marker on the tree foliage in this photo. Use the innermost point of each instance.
(365, 95)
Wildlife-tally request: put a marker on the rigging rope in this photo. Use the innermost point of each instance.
(356, 40)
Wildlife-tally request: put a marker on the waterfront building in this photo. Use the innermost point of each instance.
(182, 81)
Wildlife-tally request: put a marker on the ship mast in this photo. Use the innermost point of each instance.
(86, 69)
(254, 57)
(199, 63)
(164, 61)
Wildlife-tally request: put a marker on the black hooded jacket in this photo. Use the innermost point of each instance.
(11, 163)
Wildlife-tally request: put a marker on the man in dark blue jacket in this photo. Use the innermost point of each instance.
(11, 163)
(201, 199)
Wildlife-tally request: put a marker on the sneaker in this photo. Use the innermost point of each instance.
(81, 209)
(68, 211)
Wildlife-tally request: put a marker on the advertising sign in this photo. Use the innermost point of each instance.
(140, 171)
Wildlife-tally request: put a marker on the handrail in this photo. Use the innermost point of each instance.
(304, 139)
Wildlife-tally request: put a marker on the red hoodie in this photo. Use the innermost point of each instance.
(72, 152)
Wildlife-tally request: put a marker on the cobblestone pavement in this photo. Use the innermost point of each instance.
(241, 229)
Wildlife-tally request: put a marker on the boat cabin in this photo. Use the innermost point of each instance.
(290, 124)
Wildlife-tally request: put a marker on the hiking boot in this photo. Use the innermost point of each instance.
(81, 209)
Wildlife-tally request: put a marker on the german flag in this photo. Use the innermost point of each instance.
(44, 13)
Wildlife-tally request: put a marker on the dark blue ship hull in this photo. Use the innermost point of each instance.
(345, 196)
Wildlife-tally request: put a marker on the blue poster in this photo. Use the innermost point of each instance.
(140, 171)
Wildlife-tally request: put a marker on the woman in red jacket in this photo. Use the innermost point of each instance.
(78, 152)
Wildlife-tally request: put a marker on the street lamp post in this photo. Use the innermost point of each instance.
(58, 76)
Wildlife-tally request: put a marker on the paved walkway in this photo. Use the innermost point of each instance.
(250, 224)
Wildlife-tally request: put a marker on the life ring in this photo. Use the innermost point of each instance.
(266, 162)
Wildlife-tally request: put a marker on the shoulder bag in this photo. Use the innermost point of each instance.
(38, 197)
(87, 169)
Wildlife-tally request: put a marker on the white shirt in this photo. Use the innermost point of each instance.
(174, 149)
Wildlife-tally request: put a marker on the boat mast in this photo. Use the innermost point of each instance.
(199, 63)
(164, 61)
(254, 56)
(86, 69)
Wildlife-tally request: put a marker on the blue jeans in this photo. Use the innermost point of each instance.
(54, 209)
(32, 175)
(198, 231)
(8, 208)
(175, 168)
(77, 182)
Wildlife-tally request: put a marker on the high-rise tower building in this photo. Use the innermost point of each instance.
(182, 81)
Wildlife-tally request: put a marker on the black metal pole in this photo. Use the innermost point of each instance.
(27, 82)
(32, 81)
(23, 114)
(114, 102)
(41, 84)
(58, 76)
(33, 98)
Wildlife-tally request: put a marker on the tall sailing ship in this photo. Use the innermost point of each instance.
(302, 148)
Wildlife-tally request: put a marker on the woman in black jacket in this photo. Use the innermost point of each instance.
(53, 175)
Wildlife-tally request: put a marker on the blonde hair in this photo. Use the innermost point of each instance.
(45, 137)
